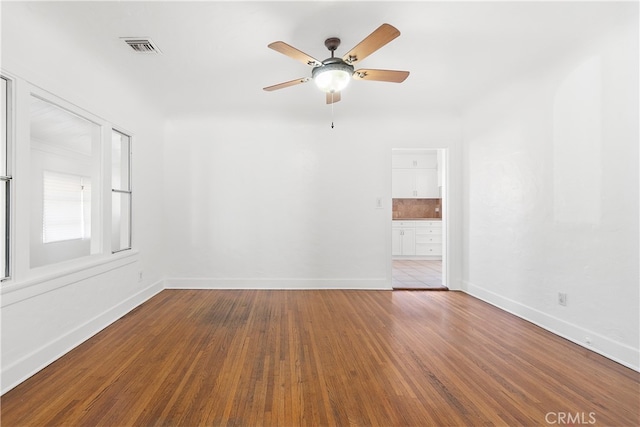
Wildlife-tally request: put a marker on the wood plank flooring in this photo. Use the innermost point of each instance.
(311, 358)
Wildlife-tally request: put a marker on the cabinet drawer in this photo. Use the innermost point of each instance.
(422, 223)
(428, 249)
(429, 231)
(429, 238)
(396, 223)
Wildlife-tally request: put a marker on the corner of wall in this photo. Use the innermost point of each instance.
(616, 351)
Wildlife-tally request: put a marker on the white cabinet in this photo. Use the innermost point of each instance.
(414, 184)
(403, 184)
(416, 238)
(414, 176)
(403, 241)
(428, 238)
(414, 161)
(440, 168)
(427, 184)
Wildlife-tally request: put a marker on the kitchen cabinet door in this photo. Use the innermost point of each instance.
(414, 184)
(403, 241)
(414, 161)
(403, 184)
(408, 241)
(440, 168)
(427, 184)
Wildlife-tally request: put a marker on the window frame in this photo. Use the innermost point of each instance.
(100, 157)
(101, 239)
(127, 191)
(25, 280)
(7, 178)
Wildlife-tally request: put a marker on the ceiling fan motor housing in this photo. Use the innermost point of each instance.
(332, 44)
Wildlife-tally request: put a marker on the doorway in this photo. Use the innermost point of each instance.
(419, 200)
(417, 275)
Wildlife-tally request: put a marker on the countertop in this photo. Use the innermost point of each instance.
(417, 219)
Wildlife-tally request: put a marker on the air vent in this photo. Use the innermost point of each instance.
(141, 44)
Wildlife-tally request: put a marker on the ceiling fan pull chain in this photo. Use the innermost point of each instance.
(332, 109)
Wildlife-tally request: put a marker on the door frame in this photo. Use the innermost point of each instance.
(444, 155)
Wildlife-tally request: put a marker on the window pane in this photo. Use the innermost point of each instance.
(121, 186)
(4, 100)
(4, 182)
(67, 207)
(120, 221)
(64, 166)
(120, 161)
(4, 271)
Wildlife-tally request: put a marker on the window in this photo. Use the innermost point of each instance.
(69, 161)
(121, 192)
(65, 165)
(5, 180)
(67, 207)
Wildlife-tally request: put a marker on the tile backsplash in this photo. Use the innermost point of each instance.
(417, 208)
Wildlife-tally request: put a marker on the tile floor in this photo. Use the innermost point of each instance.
(409, 274)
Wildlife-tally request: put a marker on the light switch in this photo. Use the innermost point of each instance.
(378, 202)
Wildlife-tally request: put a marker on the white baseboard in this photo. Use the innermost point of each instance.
(30, 364)
(218, 283)
(616, 351)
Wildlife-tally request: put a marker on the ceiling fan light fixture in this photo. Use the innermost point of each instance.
(332, 77)
(333, 74)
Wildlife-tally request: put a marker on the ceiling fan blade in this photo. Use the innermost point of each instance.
(381, 75)
(333, 97)
(287, 84)
(294, 53)
(374, 41)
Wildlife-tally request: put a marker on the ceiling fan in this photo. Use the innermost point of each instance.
(333, 74)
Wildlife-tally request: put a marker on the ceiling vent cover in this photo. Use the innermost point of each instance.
(141, 44)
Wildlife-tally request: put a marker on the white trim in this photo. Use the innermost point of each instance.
(614, 350)
(299, 284)
(18, 291)
(28, 365)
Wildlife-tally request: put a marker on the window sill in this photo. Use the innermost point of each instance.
(16, 291)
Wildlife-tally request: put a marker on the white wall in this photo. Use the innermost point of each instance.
(266, 201)
(45, 314)
(551, 196)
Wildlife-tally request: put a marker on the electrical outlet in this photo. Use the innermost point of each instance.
(562, 298)
(140, 276)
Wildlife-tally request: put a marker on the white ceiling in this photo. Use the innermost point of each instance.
(215, 54)
(53, 125)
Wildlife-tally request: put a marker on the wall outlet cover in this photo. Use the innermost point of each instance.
(562, 298)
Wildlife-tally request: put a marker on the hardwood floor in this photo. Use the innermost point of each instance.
(289, 358)
(417, 274)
